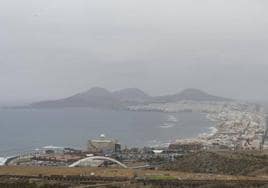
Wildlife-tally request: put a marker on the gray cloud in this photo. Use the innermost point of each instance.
(54, 48)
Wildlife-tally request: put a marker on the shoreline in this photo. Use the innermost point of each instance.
(225, 122)
(238, 125)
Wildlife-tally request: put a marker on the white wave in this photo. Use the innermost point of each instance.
(211, 132)
(167, 125)
(2, 161)
(172, 118)
(53, 147)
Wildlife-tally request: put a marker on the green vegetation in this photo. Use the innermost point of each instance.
(159, 177)
(229, 163)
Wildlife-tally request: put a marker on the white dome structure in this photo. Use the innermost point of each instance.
(95, 162)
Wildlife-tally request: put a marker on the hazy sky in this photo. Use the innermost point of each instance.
(54, 48)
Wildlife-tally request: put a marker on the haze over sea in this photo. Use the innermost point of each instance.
(27, 129)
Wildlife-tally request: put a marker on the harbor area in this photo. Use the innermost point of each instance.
(104, 152)
(104, 163)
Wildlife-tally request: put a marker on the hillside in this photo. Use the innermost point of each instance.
(101, 98)
(130, 94)
(95, 97)
(190, 94)
(222, 163)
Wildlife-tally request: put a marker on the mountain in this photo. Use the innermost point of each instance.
(190, 94)
(101, 98)
(131, 95)
(98, 97)
(95, 97)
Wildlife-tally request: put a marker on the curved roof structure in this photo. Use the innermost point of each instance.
(89, 160)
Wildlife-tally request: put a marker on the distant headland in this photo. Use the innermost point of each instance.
(98, 97)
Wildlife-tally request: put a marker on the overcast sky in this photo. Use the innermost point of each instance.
(54, 48)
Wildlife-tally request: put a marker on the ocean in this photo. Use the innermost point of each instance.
(24, 130)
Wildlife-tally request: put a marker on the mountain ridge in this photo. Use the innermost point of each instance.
(98, 97)
(190, 94)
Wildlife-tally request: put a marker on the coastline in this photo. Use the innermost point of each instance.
(229, 121)
(211, 132)
(238, 125)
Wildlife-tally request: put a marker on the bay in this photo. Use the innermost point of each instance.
(23, 130)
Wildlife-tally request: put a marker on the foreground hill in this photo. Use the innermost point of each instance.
(228, 163)
(102, 98)
(62, 177)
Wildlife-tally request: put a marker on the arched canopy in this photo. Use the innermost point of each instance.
(100, 158)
